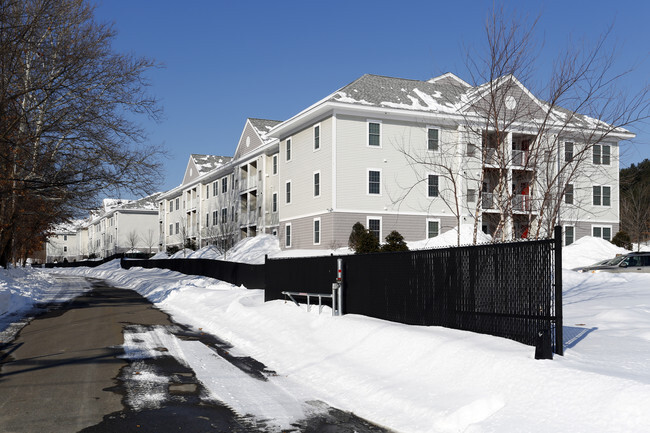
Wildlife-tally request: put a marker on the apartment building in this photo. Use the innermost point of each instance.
(407, 155)
(122, 225)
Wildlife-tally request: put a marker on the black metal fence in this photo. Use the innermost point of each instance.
(511, 290)
(251, 276)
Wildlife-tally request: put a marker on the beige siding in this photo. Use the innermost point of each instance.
(249, 142)
(300, 171)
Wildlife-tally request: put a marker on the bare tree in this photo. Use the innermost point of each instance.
(132, 239)
(635, 212)
(150, 239)
(548, 140)
(67, 132)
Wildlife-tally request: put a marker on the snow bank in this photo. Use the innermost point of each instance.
(252, 250)
(589, 250)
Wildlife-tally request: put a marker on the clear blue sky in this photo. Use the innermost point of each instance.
(225, 61)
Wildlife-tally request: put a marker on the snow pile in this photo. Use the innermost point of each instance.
(450, 238)
(589, 250)
(181, 254)
(159, 255)
(252, 250)
(207, 252)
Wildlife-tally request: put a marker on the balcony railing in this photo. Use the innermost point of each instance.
(521, 203)
(487, 200)
(520, 157)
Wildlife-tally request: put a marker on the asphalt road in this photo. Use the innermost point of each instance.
(65, 372)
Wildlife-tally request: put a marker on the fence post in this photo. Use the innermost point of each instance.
(559, 337)
(339, 279)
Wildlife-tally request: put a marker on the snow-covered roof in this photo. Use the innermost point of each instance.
(263, 126)
(68, 227)
(207, 163)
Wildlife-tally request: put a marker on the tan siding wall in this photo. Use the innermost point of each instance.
(254, 142)
(355, 158)
(300, 170)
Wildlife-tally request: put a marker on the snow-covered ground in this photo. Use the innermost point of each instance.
(420, 379)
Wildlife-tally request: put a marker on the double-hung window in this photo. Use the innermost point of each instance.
(274, 202)
(215, 217)
(224, 215)
(224, 185)
(433, 228)
(215, 188)
(603, 232)
(287, 235)
(288, 192)
(568, 194)
(317, 184)
(433, 186)
(275, 164)
(601, 154)
(432, 139)
(374, 134)
(602, 195)
(317, 137)
(569, 235)
(288, 149)
(374, 227)
(316, 231)
(374, 182)
(568, 151)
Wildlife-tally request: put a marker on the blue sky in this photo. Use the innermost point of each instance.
(225, 61)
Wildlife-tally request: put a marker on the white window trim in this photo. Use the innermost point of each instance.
(574, 232)
(289, 140)
(381, 133)
(605, 226)
(290, 235)
(320, 231)
(381, 226)
(601, 195)
(600, 161)
(275, 194)
(368, 170)
(320, 137)
(426, 228)
(427, 185)
(288, 182)
(320, 182)
(573, 196)
(275, 167)
(427, 138)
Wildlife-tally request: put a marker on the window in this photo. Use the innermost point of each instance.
(432, 139)
(317, 184)
(603, 232)
(568, 151)
(274, 202)
(178, 201)
(433, 228)
(432, 184)
(177, 228)
(207, 219)
(65, 237)
(568, 194)
(207, 191)
(374, 134)
(65, 249)
(275, 164)
(317, 137)
(601, 154)
(288, 150)
(471, 196)
(171, 205)
(316, 231)
(224, 185)
(374, 227)
(288, 192)
(602, 195)
(215, 188)
(287, 235)
(224, 215)
(374, 182)
(215, 217)
(569, 235)
(171, 229)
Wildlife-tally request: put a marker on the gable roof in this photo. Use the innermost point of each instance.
(445, 95)
(263, 126)
(207, 163)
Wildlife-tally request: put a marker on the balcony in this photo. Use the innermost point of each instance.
(248, 183)
(520, 157)
(521, 203)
